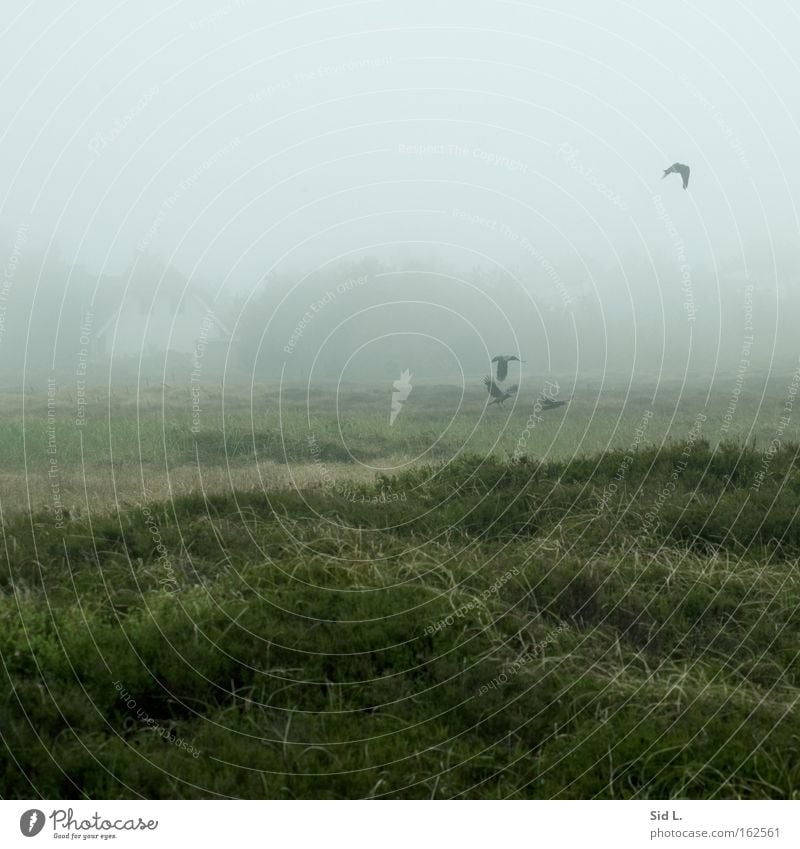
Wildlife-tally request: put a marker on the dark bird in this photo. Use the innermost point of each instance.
(502, 364)
(499, 395)
(551, 403)
(677, 168)
(548, 403)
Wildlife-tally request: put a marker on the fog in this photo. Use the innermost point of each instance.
(338, 191)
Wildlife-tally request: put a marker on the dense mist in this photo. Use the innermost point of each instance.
(400, 400)
(337, 192)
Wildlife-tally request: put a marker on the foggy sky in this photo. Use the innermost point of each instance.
(237, 139)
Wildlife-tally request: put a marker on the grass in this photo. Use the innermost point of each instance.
(600, 622)
(137, 444)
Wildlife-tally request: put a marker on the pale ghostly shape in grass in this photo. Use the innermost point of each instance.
(401, 390)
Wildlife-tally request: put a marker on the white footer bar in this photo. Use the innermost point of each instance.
(401, 825)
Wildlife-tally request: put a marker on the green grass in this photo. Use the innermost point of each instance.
(137, 444)
(611, 643)
(238, 425)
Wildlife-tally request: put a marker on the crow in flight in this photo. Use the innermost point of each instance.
(502, 364)
(547, 403)
(499, 395)
(677, 168)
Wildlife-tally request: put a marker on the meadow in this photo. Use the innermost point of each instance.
(302, 600)
(135, 443)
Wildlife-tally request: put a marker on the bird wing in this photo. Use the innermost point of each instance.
(512, 390)
(502, 368)
(678, 168)
(494, 389)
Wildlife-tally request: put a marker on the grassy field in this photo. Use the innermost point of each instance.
(136, 443)
(302, 601)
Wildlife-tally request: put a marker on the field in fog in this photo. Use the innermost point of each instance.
(136, 444)
(617, 627)
(399, 400)
(301, 599)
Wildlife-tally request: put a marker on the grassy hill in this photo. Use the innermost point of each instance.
(618, 625)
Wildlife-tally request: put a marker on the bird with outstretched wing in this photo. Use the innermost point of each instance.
(547, 403)
(677, 168)
(502, 361)
(499, 395)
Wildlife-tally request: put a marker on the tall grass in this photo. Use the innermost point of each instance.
(507, 630)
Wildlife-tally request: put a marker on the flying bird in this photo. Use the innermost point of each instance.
(677, 168)
(502, 364)
(546, 403)
(499, 395)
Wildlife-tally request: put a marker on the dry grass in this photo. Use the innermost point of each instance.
(98, 491)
